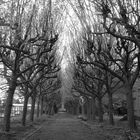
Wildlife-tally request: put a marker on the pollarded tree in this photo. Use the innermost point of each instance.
(51, 95)
(89, 81)
(120, 58)
(117, 21)
(99, 50)
(13, 51)
(31, 79)
(49, 72)
(121, 20)
(24, 43)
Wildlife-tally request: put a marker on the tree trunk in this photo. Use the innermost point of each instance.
(25, 110)
(32, 109)
(47, 108)
(93, 109)
(130, 110)
(111, 118)
(83, 110)
(52, 110)
(42, 104)
(77, 110)
(89, 109)
(100, 110)
(38, 106)
(9, 103)
(74, 110)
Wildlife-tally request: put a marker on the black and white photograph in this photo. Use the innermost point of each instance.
(69, 69)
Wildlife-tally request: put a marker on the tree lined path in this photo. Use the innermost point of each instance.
(65, 127)
(81, 55)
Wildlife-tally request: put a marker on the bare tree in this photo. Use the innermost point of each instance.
(24, 46)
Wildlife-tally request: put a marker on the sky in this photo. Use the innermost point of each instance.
(70, 41)
(68, 34)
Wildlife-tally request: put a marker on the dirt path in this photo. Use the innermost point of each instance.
(65, 127)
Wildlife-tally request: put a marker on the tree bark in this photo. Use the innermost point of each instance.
(9, 103)
(77, 110)
(89, 109)
(93, 109)
(83, 110)
(100, 110)
(73, 110)
(38, 106)
(52, 110)
(42, 104)
(47, 108)
(130, 109)
(25, 110)
(32, 109)
(111, 118)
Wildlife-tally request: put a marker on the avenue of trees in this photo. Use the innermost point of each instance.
(27, 53)
(110, 60)
(106, 55)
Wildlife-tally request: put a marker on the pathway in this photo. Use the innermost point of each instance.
(64, 127)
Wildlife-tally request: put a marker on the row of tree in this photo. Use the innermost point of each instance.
(110, 59)
(27, 54)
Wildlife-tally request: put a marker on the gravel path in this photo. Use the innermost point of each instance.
(64, 127)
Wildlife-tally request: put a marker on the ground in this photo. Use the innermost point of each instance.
(19, 132)
(65, 127)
